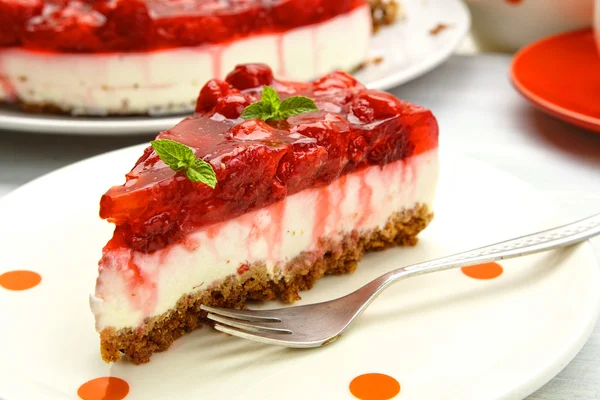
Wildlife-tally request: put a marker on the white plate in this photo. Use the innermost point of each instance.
(442, 336)
(408, 48)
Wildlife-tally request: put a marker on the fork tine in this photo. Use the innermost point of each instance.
(239, 314)
(272, 339)
(247, 327)
(264, 338)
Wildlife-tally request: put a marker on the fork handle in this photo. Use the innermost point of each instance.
(534, 243)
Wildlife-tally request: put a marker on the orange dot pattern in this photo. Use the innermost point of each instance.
(19, 280)
(483, 271)
(374, 387)
(105, 388)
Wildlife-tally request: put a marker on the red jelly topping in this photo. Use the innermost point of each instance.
(14, 15)
(128, 25)
(258, 163)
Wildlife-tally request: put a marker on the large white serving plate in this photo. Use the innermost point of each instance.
(442, 336)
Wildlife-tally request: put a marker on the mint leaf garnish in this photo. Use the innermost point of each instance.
(201, 171)
(270, 98)
(271, 108)
(175, 155)
(296, 105)
(254, 111)
(181, 158)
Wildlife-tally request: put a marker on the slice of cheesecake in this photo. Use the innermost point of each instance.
(297, 196)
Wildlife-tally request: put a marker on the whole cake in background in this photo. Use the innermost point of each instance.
(100, 57)
(268, 187)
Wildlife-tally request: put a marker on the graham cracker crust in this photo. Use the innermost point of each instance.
(340, 257)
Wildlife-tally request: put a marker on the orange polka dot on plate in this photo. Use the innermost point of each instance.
(374, 387)
(106, 388)
(19, 280)
(483, 271)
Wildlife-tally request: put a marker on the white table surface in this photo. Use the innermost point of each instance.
(479, 114)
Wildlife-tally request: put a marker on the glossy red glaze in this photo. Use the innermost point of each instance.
(258, 163)
(129, 25)
(14, 15)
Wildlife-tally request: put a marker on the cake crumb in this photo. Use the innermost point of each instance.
(373, 61)
(22, 78)
(436, 30)
(385, 12)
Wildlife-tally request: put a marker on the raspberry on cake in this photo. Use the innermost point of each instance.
(295, 181)
(152, 56)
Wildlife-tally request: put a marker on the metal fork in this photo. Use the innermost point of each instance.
(319, 324)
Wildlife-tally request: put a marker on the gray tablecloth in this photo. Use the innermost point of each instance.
(480, 115)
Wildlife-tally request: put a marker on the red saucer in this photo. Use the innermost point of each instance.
(561, 76)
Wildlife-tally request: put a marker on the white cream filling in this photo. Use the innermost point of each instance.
(169, 80)
(271, 235)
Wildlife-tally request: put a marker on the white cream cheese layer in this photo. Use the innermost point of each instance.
(169, 80)
(363, 200)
